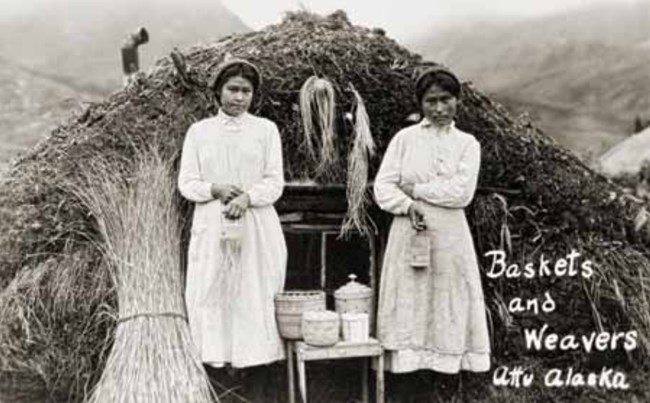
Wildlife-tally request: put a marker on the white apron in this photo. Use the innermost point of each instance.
(243, 151)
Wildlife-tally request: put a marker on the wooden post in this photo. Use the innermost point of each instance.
(302, 378)
(380, 378)
(364, 381)
(290, 372)
(323, 259)
(373, 281)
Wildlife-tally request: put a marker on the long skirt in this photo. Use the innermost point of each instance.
(238, 329)
(433, 318)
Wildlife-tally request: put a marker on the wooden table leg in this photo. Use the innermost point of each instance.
(364, 381)
(302, 379)
(290, 372)
(380, 378)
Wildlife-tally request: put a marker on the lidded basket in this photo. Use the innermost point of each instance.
(353, 297)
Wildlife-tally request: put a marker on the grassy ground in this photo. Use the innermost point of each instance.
(339, 381)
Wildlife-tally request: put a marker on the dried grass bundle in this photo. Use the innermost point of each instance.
(317, 108)
(357, 194)
(152, 358)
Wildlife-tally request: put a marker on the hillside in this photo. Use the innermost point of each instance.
(32, 106)
(71, 54)
(584, 73)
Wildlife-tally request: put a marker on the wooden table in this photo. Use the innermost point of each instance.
(304, 352)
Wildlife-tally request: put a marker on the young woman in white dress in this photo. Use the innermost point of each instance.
(231, 168)
(432, 318)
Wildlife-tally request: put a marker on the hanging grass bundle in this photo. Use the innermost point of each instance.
(152, 358)
(317, 108)
(357, 192)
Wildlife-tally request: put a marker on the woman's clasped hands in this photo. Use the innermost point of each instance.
(236, 201)
(415, 212)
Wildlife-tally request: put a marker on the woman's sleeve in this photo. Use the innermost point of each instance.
(458, 190)
(190, 181)
(388, 195)
(269, 189)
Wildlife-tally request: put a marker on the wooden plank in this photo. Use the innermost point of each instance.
(338, 351)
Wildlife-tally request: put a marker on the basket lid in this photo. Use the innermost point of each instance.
(353, 289)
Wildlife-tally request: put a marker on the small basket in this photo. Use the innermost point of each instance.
(321, 328)
(231, 229)
(353, 297)
(289, 307)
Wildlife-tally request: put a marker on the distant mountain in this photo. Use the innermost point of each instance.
(82, 40)
(584, 74)
(66, 52)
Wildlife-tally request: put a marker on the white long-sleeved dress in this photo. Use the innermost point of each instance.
(244, 151)
(432, 318)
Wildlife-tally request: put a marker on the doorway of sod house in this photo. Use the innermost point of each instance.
(318, 259)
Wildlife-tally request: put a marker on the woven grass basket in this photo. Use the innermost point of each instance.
(289, 307)
(321, 328)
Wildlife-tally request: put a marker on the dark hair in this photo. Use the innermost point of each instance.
(440, 77)
(237, 69)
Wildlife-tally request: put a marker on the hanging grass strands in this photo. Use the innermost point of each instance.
(306, 94)
(317, 108)
(363, 147)
(152, 358)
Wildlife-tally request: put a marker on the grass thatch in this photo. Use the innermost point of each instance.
(56, 320)
(534, 197)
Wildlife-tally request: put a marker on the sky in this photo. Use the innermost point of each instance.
(401, 18)
(405, 18)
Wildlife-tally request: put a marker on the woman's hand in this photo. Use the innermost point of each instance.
(237, 206)
(416, 215)
(407, 188)
(225, 193)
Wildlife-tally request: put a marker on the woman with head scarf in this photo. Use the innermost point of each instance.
(431, 306)
(231, 168)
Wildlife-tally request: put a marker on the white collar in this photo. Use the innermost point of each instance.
(427, 124)
(229, 120)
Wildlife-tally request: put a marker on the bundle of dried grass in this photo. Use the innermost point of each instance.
(152, 358)
(317, 108)
(357, 192)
